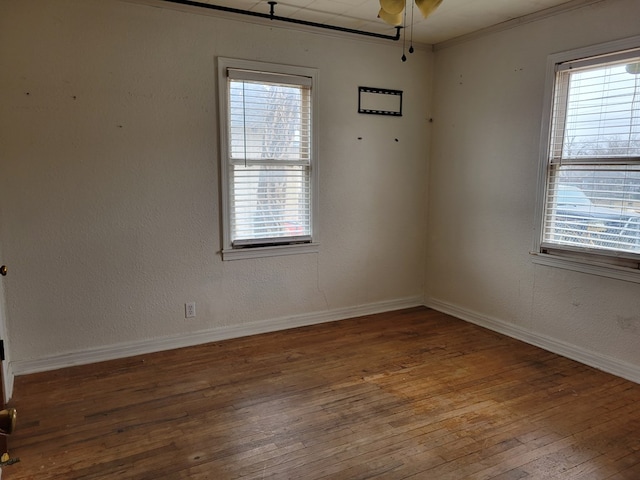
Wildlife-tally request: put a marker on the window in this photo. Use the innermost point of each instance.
(590, 209)
(269, 159)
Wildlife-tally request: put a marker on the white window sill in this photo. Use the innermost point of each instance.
(274, 251)
(584, 266)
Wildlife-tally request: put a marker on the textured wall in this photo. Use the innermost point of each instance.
(110, 195)
(482, 181)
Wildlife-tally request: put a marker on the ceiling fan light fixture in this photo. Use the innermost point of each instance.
(633, 68)
(393, 7)
(394, 20)
(427, 7)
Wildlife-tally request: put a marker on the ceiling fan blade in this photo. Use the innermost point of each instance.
(427, 7)
(395, 20)
(393, 7)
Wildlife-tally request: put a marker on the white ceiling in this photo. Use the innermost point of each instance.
(452, 19)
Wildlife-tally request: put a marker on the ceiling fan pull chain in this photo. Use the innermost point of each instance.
(411, 38)
(404, 36)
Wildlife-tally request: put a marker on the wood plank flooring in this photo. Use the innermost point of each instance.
(413, 394)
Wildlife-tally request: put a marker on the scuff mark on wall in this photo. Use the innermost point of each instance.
(575, 297)
(629, 324)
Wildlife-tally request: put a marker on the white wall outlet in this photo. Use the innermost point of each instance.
(190, 310)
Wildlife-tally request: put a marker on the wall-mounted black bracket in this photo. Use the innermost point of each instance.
(380, 101)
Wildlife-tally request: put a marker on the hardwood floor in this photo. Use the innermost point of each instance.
(411, 394)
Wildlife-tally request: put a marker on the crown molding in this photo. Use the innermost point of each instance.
(515, 22)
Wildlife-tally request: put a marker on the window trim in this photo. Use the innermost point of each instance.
(228, 251)
(589, 263)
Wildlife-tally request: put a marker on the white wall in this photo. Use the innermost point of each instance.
(110, 194)
(482, 190)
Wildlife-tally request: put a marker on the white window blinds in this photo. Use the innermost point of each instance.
(593, 179)
(597, 112)
(269, 158)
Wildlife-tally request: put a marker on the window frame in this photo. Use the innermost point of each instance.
(607, 264)
(229, 252)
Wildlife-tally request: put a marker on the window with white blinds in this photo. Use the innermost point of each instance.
(592, 200)
(268, 155)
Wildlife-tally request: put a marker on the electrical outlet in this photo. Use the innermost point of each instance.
(190, 310)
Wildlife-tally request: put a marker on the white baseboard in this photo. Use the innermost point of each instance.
(593, 359)
(129, 349)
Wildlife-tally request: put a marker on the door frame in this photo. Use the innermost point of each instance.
(7, 372)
